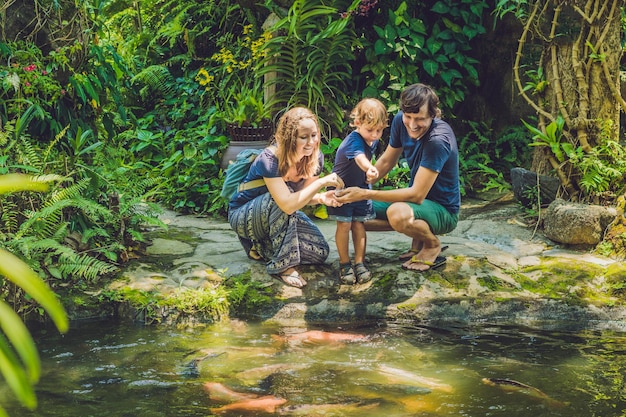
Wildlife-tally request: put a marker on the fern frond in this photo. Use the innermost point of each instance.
(29, 154)
(41, 224)
(32, 246)
(94, 232)
(83, 266)
(9, 217)
(181, 59)
(61, 232)
(6, 133)
(53, 143)
(46, 221)
(74, 191)
(157, 78)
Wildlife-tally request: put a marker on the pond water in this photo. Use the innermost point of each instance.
(246, 369)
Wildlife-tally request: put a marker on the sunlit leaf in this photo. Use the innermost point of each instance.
(21, 275)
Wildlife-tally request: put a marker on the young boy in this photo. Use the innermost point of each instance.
(353, 165)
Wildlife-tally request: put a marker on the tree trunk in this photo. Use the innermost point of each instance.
(580, 54)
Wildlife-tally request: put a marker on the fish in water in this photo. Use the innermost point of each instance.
(191, 369)
(267, 404)
(261, 372)
(401, 376)
(319, 336)
(516, 386)
(399, 389)
(221, 393)
(321, 410)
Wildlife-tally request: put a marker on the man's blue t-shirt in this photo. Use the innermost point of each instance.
(437, 150)
(345, 164)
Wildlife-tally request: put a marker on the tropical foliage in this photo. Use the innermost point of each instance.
(566, 66)
(122, 107)
(19, 360)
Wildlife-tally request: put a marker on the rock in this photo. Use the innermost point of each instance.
(498, 270)
(575, 223)
(524, 183)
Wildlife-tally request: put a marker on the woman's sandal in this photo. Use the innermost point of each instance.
(293, 279)
(346, 274)
(363, 274)
(254, 255)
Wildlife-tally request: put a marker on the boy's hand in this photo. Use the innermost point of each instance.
(371, 175)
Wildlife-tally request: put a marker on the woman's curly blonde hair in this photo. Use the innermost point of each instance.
(286, 139)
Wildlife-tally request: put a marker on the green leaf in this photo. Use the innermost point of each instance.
(381, 48)
(20, 338)
(555, 147)
(15, 376)
(430, 67)
(440, 8)
(451, 25)
(189, 150)
(449, 75)
(20, 274)
(433, 45)
(551, 130)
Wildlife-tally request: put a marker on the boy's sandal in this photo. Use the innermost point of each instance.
(363, 274)
(412, 252)
(346, 274)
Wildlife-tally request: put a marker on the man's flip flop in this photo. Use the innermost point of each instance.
(412, 252)
(439, 262)
(293, 280)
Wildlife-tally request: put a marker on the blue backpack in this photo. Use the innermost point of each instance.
(237, 171)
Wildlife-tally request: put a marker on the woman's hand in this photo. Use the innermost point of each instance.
(328, 199)
(333, 180)
(348, 195)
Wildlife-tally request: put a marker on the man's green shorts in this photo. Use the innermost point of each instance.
(439, 219)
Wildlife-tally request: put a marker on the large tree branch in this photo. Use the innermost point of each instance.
(556, 82)
(518, 57)
(607, 28)
(582, 85)
(612, 84)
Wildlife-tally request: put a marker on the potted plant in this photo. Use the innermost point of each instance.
(233, 84)
(247, 116)
(236, 86)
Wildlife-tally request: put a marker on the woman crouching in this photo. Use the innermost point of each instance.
(283, 179)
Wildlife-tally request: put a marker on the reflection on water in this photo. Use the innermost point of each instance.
(240, 369)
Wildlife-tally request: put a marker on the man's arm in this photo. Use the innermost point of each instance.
(387, 161)
(424, 180)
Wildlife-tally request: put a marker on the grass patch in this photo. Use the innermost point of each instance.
(206, 304)
(247, 296)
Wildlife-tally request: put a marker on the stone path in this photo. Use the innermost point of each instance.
(493, 260)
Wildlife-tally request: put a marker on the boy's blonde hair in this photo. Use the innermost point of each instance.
(369, 112)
